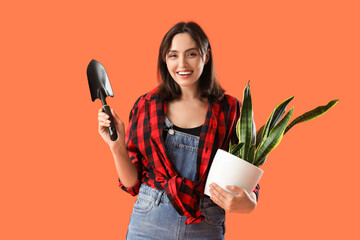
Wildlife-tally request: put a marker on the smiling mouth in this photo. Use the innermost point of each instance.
(185, 73)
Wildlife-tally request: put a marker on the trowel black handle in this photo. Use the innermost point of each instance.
(112, 129)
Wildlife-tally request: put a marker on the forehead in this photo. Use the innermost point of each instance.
(182, 42)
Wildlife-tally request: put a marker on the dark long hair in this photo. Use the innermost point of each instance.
(208, 84)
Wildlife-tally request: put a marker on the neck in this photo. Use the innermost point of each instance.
(188, 93)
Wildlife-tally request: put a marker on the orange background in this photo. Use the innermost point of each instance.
(57, 176)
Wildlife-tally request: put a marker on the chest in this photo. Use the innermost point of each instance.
(187, 114)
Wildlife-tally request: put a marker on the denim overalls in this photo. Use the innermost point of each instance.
(154, 217)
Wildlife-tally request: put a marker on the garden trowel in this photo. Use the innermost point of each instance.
(100, 88)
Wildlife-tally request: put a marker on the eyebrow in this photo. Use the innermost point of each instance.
(190, 49)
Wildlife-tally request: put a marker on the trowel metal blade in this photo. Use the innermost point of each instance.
(99, 83)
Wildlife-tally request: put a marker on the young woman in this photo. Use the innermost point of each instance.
(173, 134)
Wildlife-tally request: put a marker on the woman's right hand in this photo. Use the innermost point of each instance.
(104, 123)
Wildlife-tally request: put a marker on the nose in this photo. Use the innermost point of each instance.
(182, 61)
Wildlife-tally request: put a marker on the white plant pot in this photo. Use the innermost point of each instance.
(227, 169)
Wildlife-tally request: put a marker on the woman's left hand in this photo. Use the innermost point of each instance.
(240, 202)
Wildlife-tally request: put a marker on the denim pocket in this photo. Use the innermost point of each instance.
(184, 146)
(143, 203)
(214, 215)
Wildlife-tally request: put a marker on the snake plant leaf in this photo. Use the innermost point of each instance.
(259, 135)
(230, 146)
(251, 154)
(235, 150)
(238, 126)
(245, 122)
(275, 116)
(271, 142)
(253, 138)
(260, 162)
(279, 112)
(266, 130)
(312, 114)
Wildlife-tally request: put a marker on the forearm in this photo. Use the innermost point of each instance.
(126, 170)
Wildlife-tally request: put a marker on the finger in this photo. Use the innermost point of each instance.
(215, 199)
(218, 192)
(101, 110)
(103, 114)
(113, 113)
(115, 116)
(117, 120)
(104, 124)
(220, 189)
(103, 120)
(235, 188)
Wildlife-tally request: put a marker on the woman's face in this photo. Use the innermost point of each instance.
(184, 62)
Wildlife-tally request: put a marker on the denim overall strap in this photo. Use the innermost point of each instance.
(168, 123)
(181, 149)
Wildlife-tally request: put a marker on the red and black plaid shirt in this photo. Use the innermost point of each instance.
(144, 138)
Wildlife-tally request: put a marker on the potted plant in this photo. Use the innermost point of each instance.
(240, 165)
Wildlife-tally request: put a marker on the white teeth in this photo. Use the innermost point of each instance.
(184, 73)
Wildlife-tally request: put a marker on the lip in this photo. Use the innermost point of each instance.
(182, 76)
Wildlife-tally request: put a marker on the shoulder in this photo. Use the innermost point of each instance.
(229, 102)
(147, 97)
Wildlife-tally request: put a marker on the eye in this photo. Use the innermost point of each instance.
(192, 54)
(172, 55)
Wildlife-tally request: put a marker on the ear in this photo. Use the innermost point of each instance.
(207, 56)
